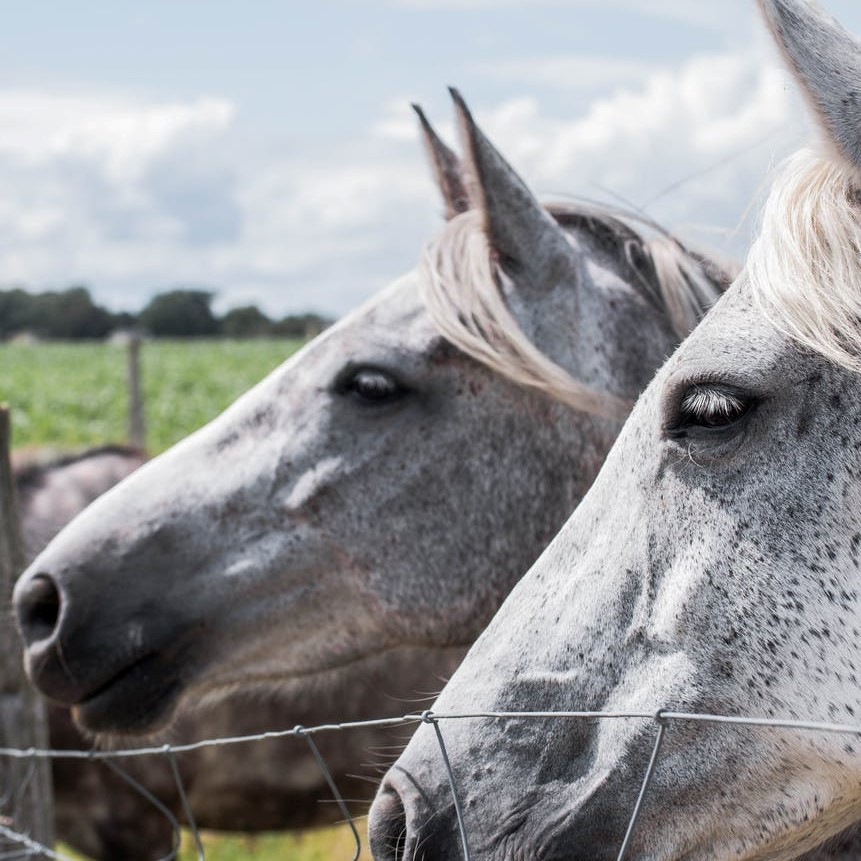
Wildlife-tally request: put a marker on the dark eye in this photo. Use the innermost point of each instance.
(373, 386)
(711, 407)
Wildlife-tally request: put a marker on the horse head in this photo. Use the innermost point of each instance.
(712, 568)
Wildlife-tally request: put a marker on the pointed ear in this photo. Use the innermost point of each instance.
(826, 60)
(517, 225)
(447, 169)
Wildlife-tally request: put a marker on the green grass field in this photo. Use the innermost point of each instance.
(329, 844)
(72, 395)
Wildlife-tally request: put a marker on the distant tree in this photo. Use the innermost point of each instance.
(72, 314)
(180, 313)
(301, 325)
(245, 322)
(125, 320)
(16, 311)
(58, 314)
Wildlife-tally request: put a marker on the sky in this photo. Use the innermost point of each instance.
(267, 151)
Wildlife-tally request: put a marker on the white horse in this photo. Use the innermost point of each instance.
(348, 527)
(715, 566)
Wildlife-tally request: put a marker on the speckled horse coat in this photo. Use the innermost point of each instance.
(713, 567)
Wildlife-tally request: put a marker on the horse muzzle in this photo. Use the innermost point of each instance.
(402, 825)
(115, 677)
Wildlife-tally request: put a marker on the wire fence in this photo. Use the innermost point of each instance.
(25, 847)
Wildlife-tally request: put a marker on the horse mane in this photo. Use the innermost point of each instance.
(464, 288)
(804, 269)
(30, 466)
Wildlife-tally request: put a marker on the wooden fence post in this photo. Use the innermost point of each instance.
(137, 422)
(26, 800)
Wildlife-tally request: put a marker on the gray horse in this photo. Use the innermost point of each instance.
(345, 530)
(713, 567)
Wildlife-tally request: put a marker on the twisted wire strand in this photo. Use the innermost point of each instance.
(186, 807)
(644, 787)
(429, 717)
(138, 787)
(339, 799)
(777, 723)
(31, 848)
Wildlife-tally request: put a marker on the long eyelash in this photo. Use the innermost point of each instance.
(711, 403)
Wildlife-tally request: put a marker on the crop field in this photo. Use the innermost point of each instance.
(72, 395)
(327, 844)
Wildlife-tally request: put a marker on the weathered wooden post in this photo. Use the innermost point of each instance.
(26, 804)
(137, 422)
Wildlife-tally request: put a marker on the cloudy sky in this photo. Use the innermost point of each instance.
(266, 149)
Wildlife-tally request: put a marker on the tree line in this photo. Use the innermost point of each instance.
(72, 314)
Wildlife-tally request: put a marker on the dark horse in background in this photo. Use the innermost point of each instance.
(53, 487)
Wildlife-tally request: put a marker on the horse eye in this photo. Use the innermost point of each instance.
(373, 386)
(711, 406)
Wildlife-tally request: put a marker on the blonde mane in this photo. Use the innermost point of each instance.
(464, 290)
(805, 267)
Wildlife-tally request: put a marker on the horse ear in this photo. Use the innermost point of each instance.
(826, 60)
(446, 167)
(517, 225)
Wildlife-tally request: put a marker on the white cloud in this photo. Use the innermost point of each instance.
(725, 116)
(711, 106)
(714, 15)
(398, 121)
(134, 196)
(438, 5)
(88, 184)
(124, 136)
(572, 72)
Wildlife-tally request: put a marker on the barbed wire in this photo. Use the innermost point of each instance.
(26, 847)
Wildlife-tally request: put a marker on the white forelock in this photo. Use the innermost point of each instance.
(805, 268)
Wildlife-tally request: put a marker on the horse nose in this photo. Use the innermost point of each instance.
(408, 822)
(38, 604)
(387, 825)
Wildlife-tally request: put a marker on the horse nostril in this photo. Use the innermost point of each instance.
(387, 826)
(38, 604)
